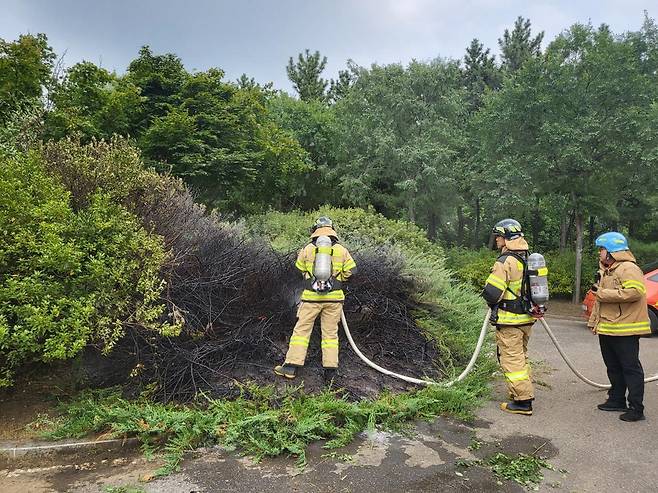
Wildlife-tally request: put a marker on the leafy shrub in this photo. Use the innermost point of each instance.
(68, 277)
(645, 253)
(471, 266)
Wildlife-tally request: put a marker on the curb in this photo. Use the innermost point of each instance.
(37, 450)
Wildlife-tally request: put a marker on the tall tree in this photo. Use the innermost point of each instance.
(92, 102)
(339, 87)
(305, 75)
(518, 46)
(399, 132)
(570, 125)
(160, 79)
(25, 70)
(480, 73)
(313, 124)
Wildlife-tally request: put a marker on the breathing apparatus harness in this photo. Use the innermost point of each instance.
(534, 288)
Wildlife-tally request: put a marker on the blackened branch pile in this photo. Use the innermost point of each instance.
(237, 298)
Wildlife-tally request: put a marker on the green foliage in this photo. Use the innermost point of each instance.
(313, 125)
(399, 131)
(645, 253)
(262, 421)
(357, 227)
(471, 266)
(518, 46)
(25, 70)
(524, 469)
(124, 489)
(480, 73)
(91, 102)
(305, 76)
(68, 277)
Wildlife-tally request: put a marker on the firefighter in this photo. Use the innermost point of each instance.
(619, 317)
(319, 299)
(503, 294)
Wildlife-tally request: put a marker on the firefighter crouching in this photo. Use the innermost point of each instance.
(503, 294)
(619, 317)
(325, 265)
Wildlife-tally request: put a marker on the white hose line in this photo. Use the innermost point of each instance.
(476, 353)
(469, 367)
(573, 369)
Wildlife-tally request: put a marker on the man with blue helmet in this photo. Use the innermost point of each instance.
(619, 317)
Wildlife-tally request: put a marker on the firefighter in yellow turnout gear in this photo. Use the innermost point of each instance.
(315, 301)
(502, 292)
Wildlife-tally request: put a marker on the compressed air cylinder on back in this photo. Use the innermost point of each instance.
(538, 281)
(322, 263)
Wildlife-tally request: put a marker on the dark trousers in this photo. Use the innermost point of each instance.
(622, 360)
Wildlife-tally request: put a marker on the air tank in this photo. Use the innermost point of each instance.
(538, 278)
(322, 263)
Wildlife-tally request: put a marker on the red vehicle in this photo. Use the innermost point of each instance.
(651, 282)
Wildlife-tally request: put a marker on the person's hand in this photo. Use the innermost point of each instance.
(592, 328)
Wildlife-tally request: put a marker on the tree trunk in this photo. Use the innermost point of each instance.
(411, 210)
(564, 229)
(536, 223)
(579, 255)
(476, 227)
(460, 226)
(431, 225)
(591, 230)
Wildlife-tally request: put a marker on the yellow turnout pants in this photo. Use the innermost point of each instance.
(301, 335)
(512, 342)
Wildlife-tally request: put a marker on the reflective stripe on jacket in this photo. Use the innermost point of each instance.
(621, 299)
(504, 283)
(342, 267)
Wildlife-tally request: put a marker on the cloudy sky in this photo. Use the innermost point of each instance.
(257, 36)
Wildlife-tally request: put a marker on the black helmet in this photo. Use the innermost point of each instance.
(510, 229)
(322, 222)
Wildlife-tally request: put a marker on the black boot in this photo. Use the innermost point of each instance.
(329, 375)
(612, 406)
(286, 370)
(518, 407)
(632, 415)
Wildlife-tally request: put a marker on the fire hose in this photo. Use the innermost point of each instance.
(476, 353)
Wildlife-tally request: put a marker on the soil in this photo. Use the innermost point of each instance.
(35, 392)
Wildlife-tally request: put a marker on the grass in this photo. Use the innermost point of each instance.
(524, 469)
(124, 489)
(262, 421)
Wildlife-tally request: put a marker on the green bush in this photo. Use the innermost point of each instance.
(645, 253)
(68, 278)
(471, 266)
(288, 231)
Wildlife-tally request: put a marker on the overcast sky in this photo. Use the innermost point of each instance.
(257, 37)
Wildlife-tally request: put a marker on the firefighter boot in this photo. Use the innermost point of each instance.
(518, 407)
(329, 376)
(632, 415)
(286, 370)
(612, 406)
